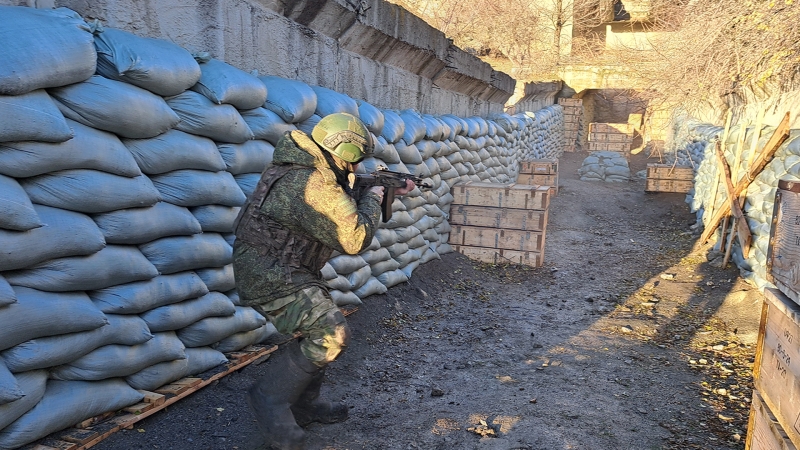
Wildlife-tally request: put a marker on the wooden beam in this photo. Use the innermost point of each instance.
(745, 237)
(778, 138)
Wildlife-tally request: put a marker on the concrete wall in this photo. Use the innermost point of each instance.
(380, 52)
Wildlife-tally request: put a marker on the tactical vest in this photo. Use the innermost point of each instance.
(293, 249)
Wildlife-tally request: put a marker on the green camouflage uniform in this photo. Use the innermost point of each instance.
(312, 212)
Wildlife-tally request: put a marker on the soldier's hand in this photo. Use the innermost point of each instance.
(377, 190)
(410, 185)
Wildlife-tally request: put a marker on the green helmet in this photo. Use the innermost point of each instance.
(344, 135)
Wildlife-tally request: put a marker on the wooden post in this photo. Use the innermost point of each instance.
(717, 179)
(778, 138)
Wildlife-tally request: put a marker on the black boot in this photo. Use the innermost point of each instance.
(310, 408)
(283, 382)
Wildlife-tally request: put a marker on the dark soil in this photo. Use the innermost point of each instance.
(627, 338)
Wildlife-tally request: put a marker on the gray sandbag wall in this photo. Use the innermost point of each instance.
(696, 148)
(123, 163)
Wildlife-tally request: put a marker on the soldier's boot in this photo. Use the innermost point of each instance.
(283, 382)
(310, 408)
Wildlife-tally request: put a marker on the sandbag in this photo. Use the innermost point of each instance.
(9, 389)
(38, 314)
(242, 339)
(216, 218)
(32, 117)
(7, 295)
(220, 279)
(345, 298)
(64, 233)
(199, 187)
(371, 116)
(115, 264)
(141, 296)
(32, 384)
(18, 213)
(393, 126)
(157, 375)
(372, 286)
(117, 107)
(392, 278)
(141, 225)
(201, 359)
(179, 315)
(409, 153)
(43, 48)
(220, 82)
(266, 125)
(307, 126)
(414, 126)
(157, 65)
(66, 403)
(128, 359)
(384, 266)
(347, 264)
(385, 151)
(88, 149)
(175, 150)
(213, 329)
(293, 100)
(252, 156)
(201, 117)
(90, 191)
(359, 277)
(51, 351)
(181, 253)
(247, 181)
(330, 101)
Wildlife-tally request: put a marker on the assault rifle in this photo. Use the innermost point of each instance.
(390, 181)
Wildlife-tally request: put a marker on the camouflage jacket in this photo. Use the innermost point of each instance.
(310, 200)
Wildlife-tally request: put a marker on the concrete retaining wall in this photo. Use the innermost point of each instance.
(380, 52)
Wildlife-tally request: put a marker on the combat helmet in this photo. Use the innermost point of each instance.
(343, 135)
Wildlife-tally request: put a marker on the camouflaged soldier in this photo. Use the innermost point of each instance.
(302, 209)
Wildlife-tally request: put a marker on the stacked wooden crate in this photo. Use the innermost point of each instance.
(775, 411)
(612, 137)
(573, 111)
(539, 172)
(499, 223)
(669, 178)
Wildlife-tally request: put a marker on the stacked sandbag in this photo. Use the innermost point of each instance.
(701, 139)
(605, 166)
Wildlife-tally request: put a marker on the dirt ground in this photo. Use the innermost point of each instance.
(627, 338)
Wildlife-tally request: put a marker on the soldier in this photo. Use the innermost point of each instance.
(301, 210)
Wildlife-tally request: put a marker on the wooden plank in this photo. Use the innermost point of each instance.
(764, 432)
(56, 445)
(139, 408)
(669, 172)
(538, 180)
(718, 174)
(501, 256)
(677, 186)
(525, 241)
(511, 195)
(153, 397)
(742, 229)
(570, 101)
(779, 371)
(178, 387)
(79, 436)
(506, 218)
(783, 250)
(778, 138)
(539, 166)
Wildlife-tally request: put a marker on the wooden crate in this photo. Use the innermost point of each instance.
(783, 252)
(497, 238)
(764, 432)
(669, 172)
(506, 218)
(610, 147)
(777, 365)
(539, 166)
(677, 186)
(498, 195)
(501, 256)
(540, 180)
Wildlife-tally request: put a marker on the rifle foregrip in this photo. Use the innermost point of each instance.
(386, 204)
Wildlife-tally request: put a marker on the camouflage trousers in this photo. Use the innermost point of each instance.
(312, 312)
